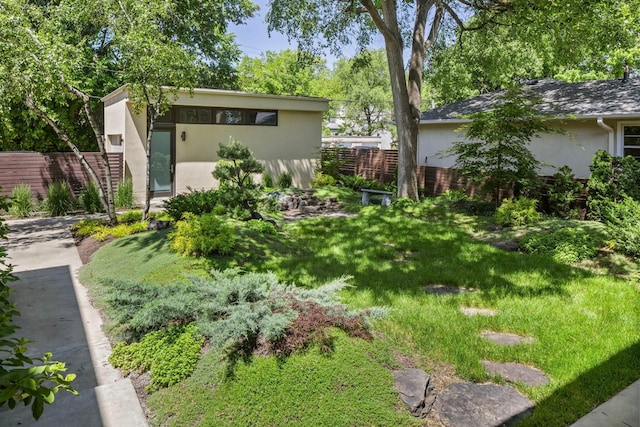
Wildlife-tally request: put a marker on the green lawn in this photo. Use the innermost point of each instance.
(585, 323)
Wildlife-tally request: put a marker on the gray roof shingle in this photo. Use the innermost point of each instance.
(593, 98)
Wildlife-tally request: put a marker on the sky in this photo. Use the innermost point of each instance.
(254, 39)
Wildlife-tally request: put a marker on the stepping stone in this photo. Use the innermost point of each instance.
(505, 338)
(416, 391)
(447, 290)
(472, 311)
(517, 372)
(506, 246)
(481, 405)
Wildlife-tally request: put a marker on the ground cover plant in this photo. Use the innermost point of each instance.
(584, 321)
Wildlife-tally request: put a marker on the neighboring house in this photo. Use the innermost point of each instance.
(353, 142)
(600, 115)
(283, 132)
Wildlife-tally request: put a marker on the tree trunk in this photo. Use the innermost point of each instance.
(151, 116)
(108, 201)
(65, 137)
(406, 125)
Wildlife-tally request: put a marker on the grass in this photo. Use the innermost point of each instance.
(584, 322)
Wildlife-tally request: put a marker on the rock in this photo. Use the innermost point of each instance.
(446, 290)
(494, 227)
(155, 224)
(481, 405)
(506, 339)
(516, 372)
(506, 246)
(416, 391)
(472, 311)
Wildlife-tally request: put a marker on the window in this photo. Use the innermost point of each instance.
(116, 143)
(631, 140)
(227, 116)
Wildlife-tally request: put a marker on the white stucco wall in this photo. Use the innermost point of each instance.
(555, 150)
(291, 146)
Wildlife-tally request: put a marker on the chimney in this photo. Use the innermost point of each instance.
(625, 79)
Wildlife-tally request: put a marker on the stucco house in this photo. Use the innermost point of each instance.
(600, 115)
(283, 132)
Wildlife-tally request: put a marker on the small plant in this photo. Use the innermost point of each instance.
(88, 226)
(403, 203)
(451, 195)
(267, 180)
(566, 245)
(263, 227)
(563, 194)
(522, 211)
(59, 200)
(124, 195)
(89, 199)
(22, 203)
(196, 202)
(169, 355)
(322, 180)
(202, 235)
(285, 180)
(330, 162)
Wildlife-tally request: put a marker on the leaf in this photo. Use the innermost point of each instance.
(37, 409)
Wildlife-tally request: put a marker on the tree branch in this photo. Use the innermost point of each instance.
(377, 19)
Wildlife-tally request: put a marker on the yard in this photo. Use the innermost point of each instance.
(582, 317)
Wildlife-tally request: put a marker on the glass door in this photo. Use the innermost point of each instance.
(161, 163)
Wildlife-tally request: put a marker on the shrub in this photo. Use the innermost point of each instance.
(89, 199)
(22, 203)
(522, 211)
(263, 227)
(285, 180)
(357, 182)
(124, 195)
(566, 245)
(236, 312)
(322, 180)
(203, 235)
(88, 226)
(196, 202)
(563, 194)
(612, 180)
(59, 200)
(121, 230)
(238, 192)
(267, 180)
(330, 162)
(170, 355)
(623, 222)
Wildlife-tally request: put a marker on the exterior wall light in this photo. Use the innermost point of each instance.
(183, 135)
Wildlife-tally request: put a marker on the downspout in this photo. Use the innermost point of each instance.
(609, 129)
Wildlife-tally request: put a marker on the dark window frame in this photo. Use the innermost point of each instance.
(224, 116)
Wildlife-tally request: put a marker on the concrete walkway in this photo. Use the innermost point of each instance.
(56, 314)
(623, 410)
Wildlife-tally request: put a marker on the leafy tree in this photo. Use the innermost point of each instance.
(288, 72)
(495, 153)
(32, 381)
(235, 169)
(365, 91)
(416, 24)
(492, 58)
(70, 51)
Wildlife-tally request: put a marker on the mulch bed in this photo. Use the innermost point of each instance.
(87, 246)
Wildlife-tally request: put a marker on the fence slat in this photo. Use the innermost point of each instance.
(40, 169)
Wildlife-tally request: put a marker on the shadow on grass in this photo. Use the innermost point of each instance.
(589, 389)
(389, 254)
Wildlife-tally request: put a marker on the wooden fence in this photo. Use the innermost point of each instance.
(381, 165)
(40, 169)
